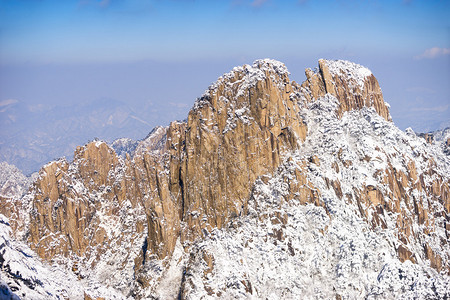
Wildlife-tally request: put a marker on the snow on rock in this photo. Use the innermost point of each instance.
(311, 228)
(349, 69)
(268, 64)
(285, 250)
(154, 142)
(13, 184)
(98, 143)
(169, 286)
(438, 137)
(245, 77)
(124, 146)
(26, 277)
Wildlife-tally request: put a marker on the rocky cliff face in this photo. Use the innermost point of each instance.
(353, 85)
(236, 132)
(13, 186)
(119, 218)
(439, 137)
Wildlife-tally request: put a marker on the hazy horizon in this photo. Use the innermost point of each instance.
(157, 57)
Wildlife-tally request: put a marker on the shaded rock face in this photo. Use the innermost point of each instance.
(184, 180)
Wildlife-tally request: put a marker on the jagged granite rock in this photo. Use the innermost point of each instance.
(441, 137)
(13, 186)
(119, 219)
(353, 85)
(366, 231)
(27, 277)
(236, 132)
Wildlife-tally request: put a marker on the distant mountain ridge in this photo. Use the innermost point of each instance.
(12, 182)
(441, 137)
(269, 189)
(31, 136)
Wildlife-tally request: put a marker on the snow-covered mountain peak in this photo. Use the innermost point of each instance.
(242, 78)
(353, 86)
(269, 189)
(12, 182)
(354, 241)
(349, 69)
(271, 65)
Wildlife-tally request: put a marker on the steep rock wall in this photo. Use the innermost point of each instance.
(235, 133)
(184, 180)
(353, 85)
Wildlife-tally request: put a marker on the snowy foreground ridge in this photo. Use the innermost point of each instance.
(320, 254)
(355, 209)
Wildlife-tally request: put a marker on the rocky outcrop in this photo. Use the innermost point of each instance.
(185, 180)
(235, 133)
(75, 205)
(440, 137)
(416, 204)
(353, 85)
(359, 205)
(13, 185)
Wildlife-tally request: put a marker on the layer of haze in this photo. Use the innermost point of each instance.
(156, 57)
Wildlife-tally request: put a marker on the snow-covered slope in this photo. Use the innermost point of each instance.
(13, 186)
(334, 201)
(439, 137)
(12, 182)
(26, 277)
(124, 146)
(285, 250)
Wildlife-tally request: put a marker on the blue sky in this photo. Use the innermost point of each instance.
(53, 52)
(116, 30)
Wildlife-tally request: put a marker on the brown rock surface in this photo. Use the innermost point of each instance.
(353, 85)
(236, 132)
(197, 173)
(186, 179)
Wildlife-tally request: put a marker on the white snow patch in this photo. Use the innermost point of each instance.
(170, 283)
(349, 69)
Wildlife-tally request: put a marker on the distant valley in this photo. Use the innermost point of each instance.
(31, 136)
